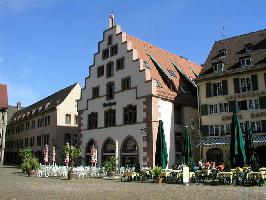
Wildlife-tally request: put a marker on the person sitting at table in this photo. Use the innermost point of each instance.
(195, 168)
(200, 164)
(208, 165)
(220, 167)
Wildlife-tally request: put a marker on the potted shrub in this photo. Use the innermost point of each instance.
(29, 162)
(110, 166)
(74, 153)
(157, 172)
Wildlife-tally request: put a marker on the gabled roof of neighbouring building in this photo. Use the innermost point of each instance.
(3, 96)
(235, 48)
(48, 103)
(175, 73)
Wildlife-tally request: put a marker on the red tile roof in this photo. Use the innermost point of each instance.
(3, 96)
(166, 60)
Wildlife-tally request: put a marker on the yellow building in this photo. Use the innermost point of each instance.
(233, 78)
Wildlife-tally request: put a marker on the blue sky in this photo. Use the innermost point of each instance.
(46, 45)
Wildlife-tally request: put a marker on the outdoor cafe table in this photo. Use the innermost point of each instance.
(224, 175)
(256, 174)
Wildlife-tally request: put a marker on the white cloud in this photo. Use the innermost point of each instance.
(22, 5)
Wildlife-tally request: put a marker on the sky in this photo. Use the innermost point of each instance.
(46, 45)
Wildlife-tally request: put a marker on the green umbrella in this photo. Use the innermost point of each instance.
(187, 151)
(249, 145)
(237, 147)
(161, 155)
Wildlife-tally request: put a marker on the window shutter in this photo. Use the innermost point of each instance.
(232, 106)
(262, 101)
(204, 109)
(236, 85)
(208, 89)
(254, 81)
(225, 87)
(263, 125)
(204, 130)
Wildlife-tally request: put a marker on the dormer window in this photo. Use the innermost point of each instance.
(171, 73)
(246, 61)
(222, 53)
(217, 67)
(248, 47)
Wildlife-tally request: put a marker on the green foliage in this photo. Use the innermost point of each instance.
(110, 164)
(157, 171)
(255, 165)
(227, 165)
(73, 153)
(137, 168)
(29, 161)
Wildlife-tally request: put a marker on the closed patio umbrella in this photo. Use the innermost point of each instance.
(46, 154)
(187, 150)
(53, 155)
(161, 155)
(93, 155)
(237, 147)
(249, 145)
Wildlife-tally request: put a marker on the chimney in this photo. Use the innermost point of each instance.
(111, 20)
(19, 105)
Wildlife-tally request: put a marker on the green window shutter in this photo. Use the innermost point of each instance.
(262, 102)
(204, 130)
(208, 89)
(204, 109)
(263, 125)
(254, 80)
(236, 85)
(225, 87)
(232, 106)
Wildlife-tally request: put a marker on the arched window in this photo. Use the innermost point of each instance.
(129, 153)
(108, 149)
(215, 155)
(88, 151)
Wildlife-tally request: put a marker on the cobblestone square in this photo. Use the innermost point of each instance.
(14, 185)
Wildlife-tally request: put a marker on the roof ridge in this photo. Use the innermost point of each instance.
(241, 35)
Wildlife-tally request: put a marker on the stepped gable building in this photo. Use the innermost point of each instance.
(132, 85)
(52, 120)
(233, 79)
(3, 119)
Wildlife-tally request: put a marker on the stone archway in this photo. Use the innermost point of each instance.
(260, 154)
(108, 149)
(129, 152)
(215, 154)
(89, 145)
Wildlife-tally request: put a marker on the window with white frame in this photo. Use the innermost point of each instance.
(244, 62)
(227, 129)
(222, 130)
(223, 107)
(248, 47)
(245, 84)
(256, 126)
(222, 53)
(214, 130)
(217, 67)
(217, 89)
(253, 104)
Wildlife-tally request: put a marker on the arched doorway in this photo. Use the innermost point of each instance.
(108, 149)
(129, 153)
(88, 151)
(260, 154)
(215, 155)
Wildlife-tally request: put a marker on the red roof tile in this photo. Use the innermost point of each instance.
(3, 96)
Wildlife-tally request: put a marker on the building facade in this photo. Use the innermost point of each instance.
(3, 119)
(131, 86)
(233, 79)
(52, 121)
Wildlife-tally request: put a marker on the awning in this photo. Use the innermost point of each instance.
(226, 140)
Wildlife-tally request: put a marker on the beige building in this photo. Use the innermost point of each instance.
(132, 85)
(52, 120)
(233, 78)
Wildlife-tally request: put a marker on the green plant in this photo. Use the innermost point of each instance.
(29, 161)
(110, 164)
(157, 171)
(73, 153)
(227, 165)
(255, 165)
